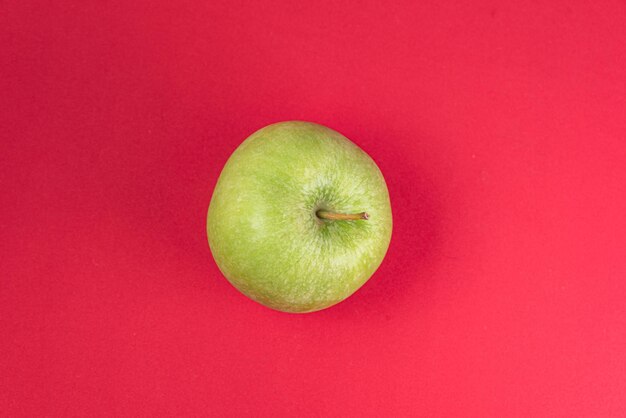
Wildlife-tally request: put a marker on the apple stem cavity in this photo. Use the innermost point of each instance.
(332, 216)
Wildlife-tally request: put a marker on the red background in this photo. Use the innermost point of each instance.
(501, 131)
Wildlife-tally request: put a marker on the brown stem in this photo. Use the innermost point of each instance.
(332, 216)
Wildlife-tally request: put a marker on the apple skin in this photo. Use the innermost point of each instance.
(262, 225)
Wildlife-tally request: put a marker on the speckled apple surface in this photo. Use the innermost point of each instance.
(262, 225)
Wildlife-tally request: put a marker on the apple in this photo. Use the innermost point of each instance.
(300, 217)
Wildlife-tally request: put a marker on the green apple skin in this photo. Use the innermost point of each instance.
(262, 225)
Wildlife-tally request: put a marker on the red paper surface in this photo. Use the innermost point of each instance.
(501, 131)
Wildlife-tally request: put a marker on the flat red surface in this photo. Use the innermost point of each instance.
(501, 131)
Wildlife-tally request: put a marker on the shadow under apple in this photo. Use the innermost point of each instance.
(171, 200)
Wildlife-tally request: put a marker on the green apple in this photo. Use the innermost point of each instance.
(300, 217)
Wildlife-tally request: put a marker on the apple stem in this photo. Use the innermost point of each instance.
(332, 216)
